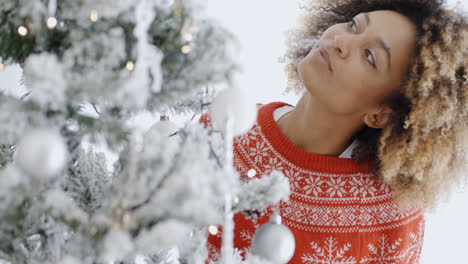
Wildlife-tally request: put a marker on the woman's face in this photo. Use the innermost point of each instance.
(369, 57)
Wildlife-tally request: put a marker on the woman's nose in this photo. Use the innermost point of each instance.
(341, 43)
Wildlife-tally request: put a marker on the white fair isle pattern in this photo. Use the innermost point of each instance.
(310, 190)
(213, 252)
(328, 253)
(384, 252)
(259, 152)
(414, 251)
(247, 235)
(343, 216)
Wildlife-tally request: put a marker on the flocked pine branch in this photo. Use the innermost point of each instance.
(121, 57)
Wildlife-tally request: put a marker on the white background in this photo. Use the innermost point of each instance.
(260, 27)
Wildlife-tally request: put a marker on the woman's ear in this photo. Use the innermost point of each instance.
(379, 117)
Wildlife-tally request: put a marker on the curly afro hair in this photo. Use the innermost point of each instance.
(421, 152)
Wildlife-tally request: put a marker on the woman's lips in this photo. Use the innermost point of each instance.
(317, 54)
(325, 55)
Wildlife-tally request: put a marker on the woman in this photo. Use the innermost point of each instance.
(378, 136)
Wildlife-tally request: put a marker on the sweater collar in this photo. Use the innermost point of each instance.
(297, 156)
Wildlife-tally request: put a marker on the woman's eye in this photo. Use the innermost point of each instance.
(351, 24)
(368, 54)
(372, 61)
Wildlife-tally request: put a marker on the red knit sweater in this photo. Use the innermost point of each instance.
(337, 210)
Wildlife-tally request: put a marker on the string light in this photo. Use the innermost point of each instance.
(126, 219)
(177, 10)
(130, 65)
(251, 173)
(94, 16)
(236, 200)
(22, 30)
(2, 66)
(193, 29)
(51, 22)
(185, 49)
(213, 230)
(188, 37)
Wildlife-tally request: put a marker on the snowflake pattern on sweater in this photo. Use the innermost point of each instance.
(329, 253)
(338, 212)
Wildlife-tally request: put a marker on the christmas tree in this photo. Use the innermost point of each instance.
(63, 202)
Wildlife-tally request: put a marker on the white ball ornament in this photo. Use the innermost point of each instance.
(274, 241)
(236, 104)
(41, 153)
(164, 127)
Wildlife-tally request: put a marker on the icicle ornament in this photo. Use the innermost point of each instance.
(146, 73)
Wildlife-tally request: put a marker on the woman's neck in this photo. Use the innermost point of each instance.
(312, 128)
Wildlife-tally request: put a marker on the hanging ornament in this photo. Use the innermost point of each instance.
(274, 241)
(147, 71)
(164, 127)
(236, 104)
(52, 7)
(42, 153)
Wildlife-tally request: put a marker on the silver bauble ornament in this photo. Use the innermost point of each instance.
(274, 241)
(41, 153)
(164, 127)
